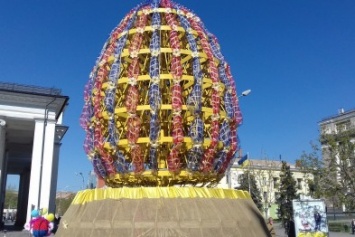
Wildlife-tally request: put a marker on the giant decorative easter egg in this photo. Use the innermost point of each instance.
(161, 106)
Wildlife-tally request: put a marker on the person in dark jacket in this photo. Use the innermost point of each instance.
(317, 219)
(56, 224)
(353, 226)
(291, 229)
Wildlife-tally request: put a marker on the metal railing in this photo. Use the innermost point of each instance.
(340, 216)
(29, 89)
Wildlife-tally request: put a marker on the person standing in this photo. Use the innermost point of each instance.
(291, 229)
(270, 226)
(317, 219)
(353, 226)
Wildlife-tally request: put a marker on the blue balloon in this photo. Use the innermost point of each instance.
(34, 213)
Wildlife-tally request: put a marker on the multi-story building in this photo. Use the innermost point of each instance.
(334, 129)
(335, 125)
(267, 176)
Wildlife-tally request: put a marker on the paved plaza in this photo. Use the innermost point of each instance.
(280, 232)
(11, 231)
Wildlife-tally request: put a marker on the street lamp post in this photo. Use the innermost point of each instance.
(82, 176)
(229, 173)
(249, 174)
(45, 122)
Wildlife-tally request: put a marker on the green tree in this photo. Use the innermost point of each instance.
(313, 166)
(11, 197)
(334, 173)
(287, 193)
(339, 158)
(63, 203)
(248, 181)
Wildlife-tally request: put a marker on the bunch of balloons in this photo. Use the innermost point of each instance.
(41, 223)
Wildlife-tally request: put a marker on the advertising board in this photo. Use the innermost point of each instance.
(310, 218)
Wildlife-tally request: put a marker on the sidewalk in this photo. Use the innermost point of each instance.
(11, 231)
(280, 232)
(17, 233)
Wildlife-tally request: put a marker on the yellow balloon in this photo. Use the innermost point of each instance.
(50, 217)
(44, 211)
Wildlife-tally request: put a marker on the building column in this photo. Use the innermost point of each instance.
(47, 165)
(3, 173)
(41, 166)
(54, 179)
(22, 198)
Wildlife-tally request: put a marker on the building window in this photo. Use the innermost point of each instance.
(264, 181)
(275, 181)
(299, 183)
(343, 126)
(240, 178)
(265, 196)
(326, 129)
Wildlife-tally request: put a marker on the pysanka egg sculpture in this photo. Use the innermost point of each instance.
(161, 106)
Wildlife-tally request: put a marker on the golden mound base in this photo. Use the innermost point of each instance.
(163, 212)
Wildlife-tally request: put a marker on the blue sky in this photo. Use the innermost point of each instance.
(298, 57)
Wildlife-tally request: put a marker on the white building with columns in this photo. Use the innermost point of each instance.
(30, 137)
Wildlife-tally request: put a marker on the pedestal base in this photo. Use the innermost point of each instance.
(163, 212)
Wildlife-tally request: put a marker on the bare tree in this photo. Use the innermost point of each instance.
(313, 167)
(248, 183)
(267, 178)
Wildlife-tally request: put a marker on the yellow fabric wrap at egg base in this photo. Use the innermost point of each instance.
(312, 234)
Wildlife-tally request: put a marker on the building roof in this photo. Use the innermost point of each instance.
(342, 114)
(267, 164)
(20, 106)
(35, 90)
(33, 96)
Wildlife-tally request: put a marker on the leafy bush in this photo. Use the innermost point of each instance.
(338, 227)
(346, 228)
